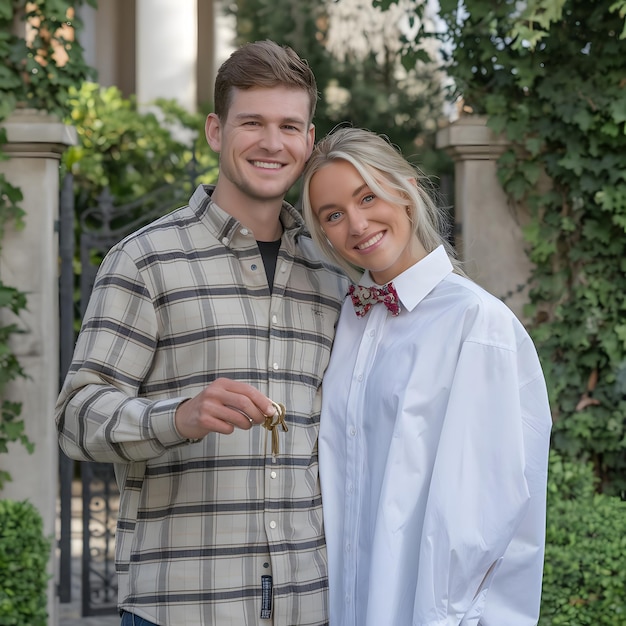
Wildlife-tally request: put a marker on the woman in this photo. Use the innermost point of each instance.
(435, 421)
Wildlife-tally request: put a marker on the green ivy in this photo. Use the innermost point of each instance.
(11, 427)
(551, 77)
(35, 74)
(39, 73)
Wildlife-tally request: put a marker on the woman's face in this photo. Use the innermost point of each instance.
(364, 229)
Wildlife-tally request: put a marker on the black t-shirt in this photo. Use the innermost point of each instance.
(269, 254)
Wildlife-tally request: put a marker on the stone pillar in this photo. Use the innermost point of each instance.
(489, 237)
(29, 262)
(167, 54)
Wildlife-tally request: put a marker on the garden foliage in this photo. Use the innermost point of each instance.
(584, 576)
(24, 553)
(132, 150)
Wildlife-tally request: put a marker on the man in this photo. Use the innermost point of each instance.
(200, 326)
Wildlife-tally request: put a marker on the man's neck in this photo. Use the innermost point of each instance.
(260, 216)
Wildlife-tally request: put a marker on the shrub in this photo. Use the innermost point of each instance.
(130, 151)
(584, 575)
(24, 553)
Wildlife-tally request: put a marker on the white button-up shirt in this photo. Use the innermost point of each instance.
(433, 459)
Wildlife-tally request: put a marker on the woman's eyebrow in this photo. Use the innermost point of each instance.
(332, 205)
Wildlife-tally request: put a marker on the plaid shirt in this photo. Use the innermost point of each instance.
(176, 305)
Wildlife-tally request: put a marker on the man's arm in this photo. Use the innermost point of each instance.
(101, 414)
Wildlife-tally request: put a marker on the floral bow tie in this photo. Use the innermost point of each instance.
(364, 298)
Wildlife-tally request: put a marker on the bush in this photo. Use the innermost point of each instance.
(130, 151)
(24, 553)
(584, 575)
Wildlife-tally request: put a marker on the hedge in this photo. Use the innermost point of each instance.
(24, 553)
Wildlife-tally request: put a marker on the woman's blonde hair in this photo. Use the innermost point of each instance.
(389, 175)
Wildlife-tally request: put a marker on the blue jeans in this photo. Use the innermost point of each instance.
(128, 619)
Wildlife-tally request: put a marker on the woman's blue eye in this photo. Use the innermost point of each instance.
(333, 216)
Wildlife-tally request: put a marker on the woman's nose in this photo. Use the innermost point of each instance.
(358, 222)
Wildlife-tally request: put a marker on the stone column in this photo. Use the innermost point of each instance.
(29, 262)
(489, 236)
(167, 53)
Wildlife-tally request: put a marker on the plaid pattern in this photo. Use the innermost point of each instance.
(176, 305)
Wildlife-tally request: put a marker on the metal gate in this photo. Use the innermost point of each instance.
(100, 228)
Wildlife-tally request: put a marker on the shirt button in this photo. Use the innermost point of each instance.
(353, 431)
(275, 366)
(272, 524)
(225, 240)
(244, 231)
(273, 474)
(360, 377)
(372, 333)
(253, 266)
(283, 268)
(274, 319)
(348, 547)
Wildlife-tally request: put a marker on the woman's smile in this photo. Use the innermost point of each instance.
(368, 231)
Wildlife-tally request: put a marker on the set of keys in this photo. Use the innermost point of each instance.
(272, 423)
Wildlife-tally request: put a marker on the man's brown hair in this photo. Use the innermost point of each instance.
(263, 64)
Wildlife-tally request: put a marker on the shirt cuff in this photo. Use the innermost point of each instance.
(163, 423)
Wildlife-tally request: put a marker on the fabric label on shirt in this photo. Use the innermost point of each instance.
(266, 597)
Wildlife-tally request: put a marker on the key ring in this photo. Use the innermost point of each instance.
(272, 422)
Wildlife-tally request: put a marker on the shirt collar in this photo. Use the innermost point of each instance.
(224, 225)
(414, 284)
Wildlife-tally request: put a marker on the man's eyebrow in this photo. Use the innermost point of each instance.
(285, 120)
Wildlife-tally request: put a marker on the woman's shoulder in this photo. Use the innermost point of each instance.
(486, 318)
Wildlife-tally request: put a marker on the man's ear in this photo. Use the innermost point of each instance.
(213, 132)
(310, 140)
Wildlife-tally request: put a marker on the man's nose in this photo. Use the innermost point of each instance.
(271, 139)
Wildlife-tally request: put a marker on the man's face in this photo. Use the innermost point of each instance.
(263, 143)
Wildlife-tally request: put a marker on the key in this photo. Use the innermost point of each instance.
(271, 424)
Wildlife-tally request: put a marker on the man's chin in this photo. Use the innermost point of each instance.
(269, 194)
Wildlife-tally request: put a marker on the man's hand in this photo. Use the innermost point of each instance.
(221, 407)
